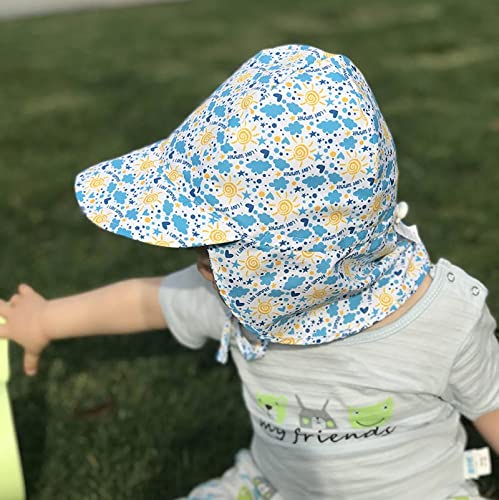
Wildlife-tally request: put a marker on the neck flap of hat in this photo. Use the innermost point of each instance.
(311, 180)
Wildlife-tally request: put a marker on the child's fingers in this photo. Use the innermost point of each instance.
(3, 328)
(23, 288)
(30, 363)
(3, 319)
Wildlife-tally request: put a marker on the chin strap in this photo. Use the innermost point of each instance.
(249, 351)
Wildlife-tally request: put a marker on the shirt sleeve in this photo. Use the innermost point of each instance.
(474, 378)
(192, 309)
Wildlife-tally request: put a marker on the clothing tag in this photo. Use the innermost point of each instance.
(477, 463)
(409, 232)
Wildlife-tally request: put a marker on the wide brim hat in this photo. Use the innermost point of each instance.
(197, 186)
(148, 195)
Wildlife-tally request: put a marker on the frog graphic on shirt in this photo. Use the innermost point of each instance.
(371, 416)
(274, 406)
(315, 419)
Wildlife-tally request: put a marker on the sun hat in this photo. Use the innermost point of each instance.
(288, 172)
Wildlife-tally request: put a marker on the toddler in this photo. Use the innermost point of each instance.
(357, 355)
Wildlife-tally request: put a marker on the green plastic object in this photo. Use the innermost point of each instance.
(11, 472)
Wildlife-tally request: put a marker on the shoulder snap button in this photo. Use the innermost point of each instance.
(475, 291)
(451, 277)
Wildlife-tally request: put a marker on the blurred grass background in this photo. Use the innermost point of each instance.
(141, 417)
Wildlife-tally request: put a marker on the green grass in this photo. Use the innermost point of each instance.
(138, 417)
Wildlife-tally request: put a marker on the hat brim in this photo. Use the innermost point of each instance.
(145, 196)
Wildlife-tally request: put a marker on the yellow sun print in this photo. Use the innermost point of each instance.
(251, 263)
(100, 218)
(263, 308)
(377, 203)
(246, 136)
(318, 293)
(311, 97)
(149, 200)
(97, 182)
(304, 256)
(354, 165)
(160, 242)
(146, 164)
(295, 57)
(173, 174)
(243, 76)
(230, 189)
(164, 144)
(301, 152)
(279, 334)
(214, 234)
(336, 218)
(385, 300)
(246, 102)
(285, 206)
(348, 265)
(386, 133)
(412, 269)
(282, 339)
(361, 115)
(206, 137)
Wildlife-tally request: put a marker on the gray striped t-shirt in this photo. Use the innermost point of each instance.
(372, 416)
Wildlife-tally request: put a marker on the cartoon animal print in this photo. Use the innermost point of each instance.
(274, 406)
(264, 489)
(244, 494)
(371, 416)
(315, 419)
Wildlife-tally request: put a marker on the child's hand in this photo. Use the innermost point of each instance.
(23, 315)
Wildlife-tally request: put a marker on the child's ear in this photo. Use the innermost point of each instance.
(205, 269)
(205, 272)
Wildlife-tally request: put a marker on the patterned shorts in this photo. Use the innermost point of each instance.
(243, 481)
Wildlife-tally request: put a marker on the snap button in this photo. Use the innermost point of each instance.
(451, 277)
(475, 291)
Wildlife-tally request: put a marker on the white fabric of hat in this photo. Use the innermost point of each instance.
(289, 172)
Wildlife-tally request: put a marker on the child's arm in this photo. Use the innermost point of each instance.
(488, 426)
(128, 306)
